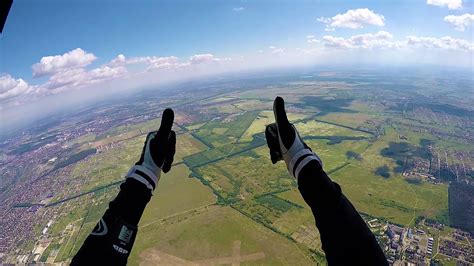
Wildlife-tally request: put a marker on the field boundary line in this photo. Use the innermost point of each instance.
(177, 214)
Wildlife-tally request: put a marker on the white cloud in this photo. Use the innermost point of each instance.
(151, 61)
(353, 19)
(120, 60)
(276, 51)
(451, 4)
(203, 58)
(385, 40)
(167, 62)
(336, 42)
(79, 77)
(381, 39)
(324, 20)
(460, 22)
(238, 9)
(446, 43)
(68, 71)
(52, 64)
(311, 39)
(105, 72)
(10, 87)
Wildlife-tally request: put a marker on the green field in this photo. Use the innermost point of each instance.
(391, 198)
(176, 193)
(262, 120)
(227, 130)
(220, 229)
(348, 119)
(250, 173)
(316, 128)
(186, 145)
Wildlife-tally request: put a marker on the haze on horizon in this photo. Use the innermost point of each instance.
(55, 54)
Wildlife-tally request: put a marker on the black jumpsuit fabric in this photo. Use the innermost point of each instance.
(346, 239)
(107, 244)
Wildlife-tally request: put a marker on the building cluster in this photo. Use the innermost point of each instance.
(460, 250)
(307, 235)
(441, 167)
(442, 120)
(420, 168)
(435, 224)
(429, 249)
(408, 246)
(30, 179)
(414, 246)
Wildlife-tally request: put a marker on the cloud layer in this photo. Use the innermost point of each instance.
(461, 22)
(381, 39)
(451, 4)
(10, 87)
(69, 71)
(384, 40)
(52, 64)
(72, 70)
(445, 43)
(353, 19)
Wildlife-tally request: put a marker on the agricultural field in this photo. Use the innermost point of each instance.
(244, 175)
(393, 199)
(262, 120)
(176, 193)
(353, 120)
(187, 145)
(225, 236)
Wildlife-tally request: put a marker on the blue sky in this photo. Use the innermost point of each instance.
(182, 28)
(55, 47)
